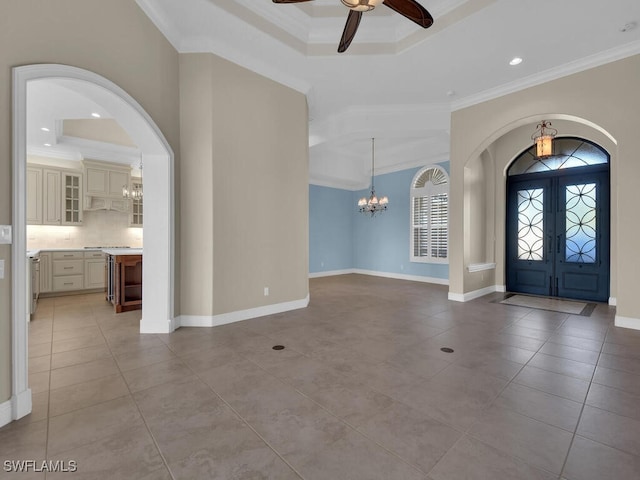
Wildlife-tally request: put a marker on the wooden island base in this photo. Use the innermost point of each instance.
(124, 282)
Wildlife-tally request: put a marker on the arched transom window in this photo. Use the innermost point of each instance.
(569, 152)
(430, 216)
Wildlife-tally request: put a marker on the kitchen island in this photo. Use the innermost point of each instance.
(124, 278)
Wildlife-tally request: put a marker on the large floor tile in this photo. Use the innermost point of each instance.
(412, 435)
(547, 408)
(610, 429)
(80, 427)
(130, 453)
(76, 357)
(534, 442)
(628, 382)
(156, 374)
(571, 353)
(614, 400)
(63, 377)
(589, 460)
(554, 383)
(564, 366)
(85, 394)
(471, 459)
(356, 458)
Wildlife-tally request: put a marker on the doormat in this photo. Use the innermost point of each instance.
(572, 307)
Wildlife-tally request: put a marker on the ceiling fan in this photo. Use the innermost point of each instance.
(408, 8)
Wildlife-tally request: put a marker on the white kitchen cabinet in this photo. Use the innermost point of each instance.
(72, 198)
(68, 271)
(105, 179)
(45, 272)
(94, 275)
(71, 270)
(136, 218)
(34, 196)
(51, 197)
(54, 196)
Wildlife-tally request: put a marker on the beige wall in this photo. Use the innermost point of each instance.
(604, 99)
(112, 38)
(245, 175)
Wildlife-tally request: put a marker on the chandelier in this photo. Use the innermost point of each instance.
(135, 192)
(372, 205)
(543, 139)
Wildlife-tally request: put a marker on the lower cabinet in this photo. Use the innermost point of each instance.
(66, 271)
(45, 272)
(94, 265)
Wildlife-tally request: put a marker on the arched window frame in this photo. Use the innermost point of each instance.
(435, 205)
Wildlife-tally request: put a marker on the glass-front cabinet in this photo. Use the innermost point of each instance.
(72, 199)
(136, 216)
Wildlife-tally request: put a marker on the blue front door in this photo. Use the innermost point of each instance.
(558, 233)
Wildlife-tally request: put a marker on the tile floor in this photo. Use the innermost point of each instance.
(361, 391)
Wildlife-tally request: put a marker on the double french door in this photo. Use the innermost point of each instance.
(558, 233)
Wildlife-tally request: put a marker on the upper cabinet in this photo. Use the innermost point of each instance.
(53, 196)
(34, 196)
(103, 185)
(72, 198)
(135, 217)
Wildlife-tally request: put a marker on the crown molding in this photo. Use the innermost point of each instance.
(576, 66)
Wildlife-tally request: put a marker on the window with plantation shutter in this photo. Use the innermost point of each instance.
(430, 216)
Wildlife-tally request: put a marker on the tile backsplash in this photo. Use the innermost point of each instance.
(100, 228)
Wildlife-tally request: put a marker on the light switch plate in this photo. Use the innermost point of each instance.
(5, 234)
(1, 269)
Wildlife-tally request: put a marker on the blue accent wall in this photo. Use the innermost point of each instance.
(379, 244)
(330, 229)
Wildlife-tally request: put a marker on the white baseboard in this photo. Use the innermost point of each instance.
(466, 297)
(6, 413)
(401, 276)
(231, 317)
(21, 404)
(613, 301)
(16, 407)
(627, 322)
(331, 273)
(501, 288)
(155, 327)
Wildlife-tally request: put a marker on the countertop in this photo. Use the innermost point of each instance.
(110, 251)
(122, 251)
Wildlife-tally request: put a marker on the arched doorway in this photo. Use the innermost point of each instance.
(557, 222)
(158, 267)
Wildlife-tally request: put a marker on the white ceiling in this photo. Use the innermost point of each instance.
(398, 82)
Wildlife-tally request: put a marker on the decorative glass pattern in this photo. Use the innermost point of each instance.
(568, 153)
(531, 224)
(580, 232)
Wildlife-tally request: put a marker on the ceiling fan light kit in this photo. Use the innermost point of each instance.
(361, 5)
(407, 8)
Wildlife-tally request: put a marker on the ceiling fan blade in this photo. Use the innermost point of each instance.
(350, 29)
(291, 1)
(412, 10)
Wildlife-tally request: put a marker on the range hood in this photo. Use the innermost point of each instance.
(104, 203)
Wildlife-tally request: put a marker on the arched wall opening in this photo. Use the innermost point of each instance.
(483, 199)
(158, 251)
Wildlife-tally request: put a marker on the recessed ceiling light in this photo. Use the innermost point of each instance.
(45, 129)
(47, 144)
(96, 115)
(515, 61)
